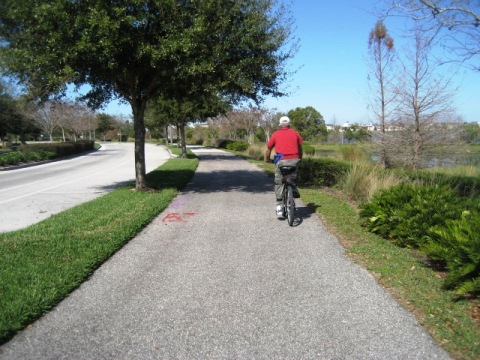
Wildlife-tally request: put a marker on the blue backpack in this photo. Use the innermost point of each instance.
(277, 158)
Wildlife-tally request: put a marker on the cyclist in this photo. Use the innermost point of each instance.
(288, 148)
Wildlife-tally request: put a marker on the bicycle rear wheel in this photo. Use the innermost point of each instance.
(290, 205)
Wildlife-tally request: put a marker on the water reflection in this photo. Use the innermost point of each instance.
(433, 160)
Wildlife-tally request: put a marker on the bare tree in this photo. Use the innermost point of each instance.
(425, 98)
(90, 123)
(64, 112)
(382, 85)
(457, 20)
(82, 120)
(46, 118)
(247, 119)
(227, 128)
(268, 120)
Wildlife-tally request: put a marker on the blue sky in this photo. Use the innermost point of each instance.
(332, 65)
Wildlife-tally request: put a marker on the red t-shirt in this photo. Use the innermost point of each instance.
(287, 142)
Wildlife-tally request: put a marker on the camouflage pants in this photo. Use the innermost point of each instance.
(278, 177)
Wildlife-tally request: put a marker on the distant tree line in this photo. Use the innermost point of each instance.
(22, 120)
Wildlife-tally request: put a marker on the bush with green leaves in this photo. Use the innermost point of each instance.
(60, 148)
(464, 185)
(222, 143)
(237, 146)
(405, 213)
(322, 171)
(15, 157)
(456, 245)
(308, 149)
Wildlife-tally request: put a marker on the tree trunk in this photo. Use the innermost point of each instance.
(182, 140)
(178, 135)
(138, 110)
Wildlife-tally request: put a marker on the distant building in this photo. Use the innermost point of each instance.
(369, 127)
(344, 127)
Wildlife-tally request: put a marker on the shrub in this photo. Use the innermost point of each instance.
(405, 213)
(222, 144)
(256, 152)
(463, 185)
(308, 150)
(45, 151)
(322, 171)
(59, 148)
(15, 157)
(237, 146)
(457, 246)
(12, 158)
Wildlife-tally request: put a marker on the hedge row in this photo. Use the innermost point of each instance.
(60, 148)
(45, 151)
(322, 171)
(15, 157)
(233, 145)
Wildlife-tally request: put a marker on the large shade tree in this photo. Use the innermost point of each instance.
(309, 123)
(129, 49)
(8, 112)
(180, 108)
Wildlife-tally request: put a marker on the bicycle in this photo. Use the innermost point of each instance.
(287, 196)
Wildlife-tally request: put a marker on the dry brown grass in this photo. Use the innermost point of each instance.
(364, 180)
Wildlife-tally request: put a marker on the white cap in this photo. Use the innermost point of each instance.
(284, 121)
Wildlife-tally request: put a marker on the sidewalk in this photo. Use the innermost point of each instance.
(217, 276)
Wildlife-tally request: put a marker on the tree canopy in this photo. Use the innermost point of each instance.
(309, 123)
(134, 50)
(8, 111)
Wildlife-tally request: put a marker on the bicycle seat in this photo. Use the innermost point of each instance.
(287, 169)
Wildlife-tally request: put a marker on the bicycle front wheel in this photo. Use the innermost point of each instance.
(290, 206)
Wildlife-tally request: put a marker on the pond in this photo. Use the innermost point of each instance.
(450, 160)
(441, 159)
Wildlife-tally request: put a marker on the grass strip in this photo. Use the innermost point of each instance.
(42, 264)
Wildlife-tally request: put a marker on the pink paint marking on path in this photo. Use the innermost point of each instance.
(177, 217)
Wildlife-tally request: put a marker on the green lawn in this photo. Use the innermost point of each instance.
(42, 264)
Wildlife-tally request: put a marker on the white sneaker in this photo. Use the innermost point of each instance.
(279, 211)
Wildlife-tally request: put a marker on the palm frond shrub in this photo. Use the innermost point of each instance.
(457, 246)
(405, 213)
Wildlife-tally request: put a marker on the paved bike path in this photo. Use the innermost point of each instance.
(217, 276)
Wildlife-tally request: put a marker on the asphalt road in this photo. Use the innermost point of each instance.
(31, 194)
(217, 276)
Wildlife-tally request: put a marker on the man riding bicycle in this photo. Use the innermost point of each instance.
(288, 149)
